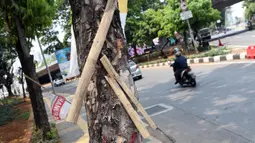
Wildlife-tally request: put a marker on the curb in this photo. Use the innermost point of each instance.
(229, 57)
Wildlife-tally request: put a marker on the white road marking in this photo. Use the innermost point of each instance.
(253, 36)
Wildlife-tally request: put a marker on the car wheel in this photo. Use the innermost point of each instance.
(140, 77)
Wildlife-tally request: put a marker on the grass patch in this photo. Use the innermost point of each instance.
(10, 101)
(211, 53)
(7, 113)
(23, 116)
(52, 136)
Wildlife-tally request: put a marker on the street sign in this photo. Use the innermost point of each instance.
(186, 15)
(183, 5)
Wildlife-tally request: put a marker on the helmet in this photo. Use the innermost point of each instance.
(177, 52)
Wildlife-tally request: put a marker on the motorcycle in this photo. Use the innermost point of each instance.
(187, 77)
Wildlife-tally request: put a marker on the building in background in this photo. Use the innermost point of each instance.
(63, 58)
(235, 17)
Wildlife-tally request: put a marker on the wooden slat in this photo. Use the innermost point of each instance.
(129, 108)
(111, 71)
(91, 61)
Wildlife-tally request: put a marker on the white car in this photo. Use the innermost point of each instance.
(135, 70)
(58, 82)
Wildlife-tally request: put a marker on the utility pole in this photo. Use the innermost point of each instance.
(47, 68)
(186, 15)
(191, 36)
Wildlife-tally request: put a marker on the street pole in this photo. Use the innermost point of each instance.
(191, 36)
(52, 85)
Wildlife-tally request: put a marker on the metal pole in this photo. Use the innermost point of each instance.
(52, 85)
(191, 36)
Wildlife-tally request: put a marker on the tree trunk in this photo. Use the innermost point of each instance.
(35, 92)
(134, 47)
(9, 89)
(107, 118)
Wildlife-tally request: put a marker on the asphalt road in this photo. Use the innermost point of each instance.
(221, 109)
(240, 40)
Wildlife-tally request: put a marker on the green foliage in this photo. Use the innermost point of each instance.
(7, 56)
(23, 116)
(6, 61)
(250, 8)
(7, 113)
(145, 21)
(62, 18)
(211, 53)
(10, 101)
(203, 16)
(36, 15)
(52, 136)
(138, 30)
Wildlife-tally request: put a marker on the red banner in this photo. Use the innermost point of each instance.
(57, 105)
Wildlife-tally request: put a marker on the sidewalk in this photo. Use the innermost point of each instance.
(70, 133)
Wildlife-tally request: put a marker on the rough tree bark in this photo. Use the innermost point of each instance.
(107, 119)
(35, 92)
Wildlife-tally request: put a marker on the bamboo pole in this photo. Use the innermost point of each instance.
(109, 68)
(91, 61)
(129, 108)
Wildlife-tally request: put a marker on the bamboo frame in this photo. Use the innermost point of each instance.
(129, 108)
(112, 73)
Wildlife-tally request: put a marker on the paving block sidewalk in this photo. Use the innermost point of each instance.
(68, 133)
(71, 133)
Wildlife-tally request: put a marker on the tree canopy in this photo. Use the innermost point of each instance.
(23, 21)
(137, 28)
(250, 8)
(62, 19)
(164, 20)
(7, 58)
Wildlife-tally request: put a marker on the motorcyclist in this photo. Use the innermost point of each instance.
(179, 64)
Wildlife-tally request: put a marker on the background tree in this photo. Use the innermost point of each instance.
(164, 19)
(170, 21)
(107, 119)
(7, 58)
(138, 30)
(62, 19)
(23, 21)
(250, 8)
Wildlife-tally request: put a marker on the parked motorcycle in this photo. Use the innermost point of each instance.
(187, 77)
